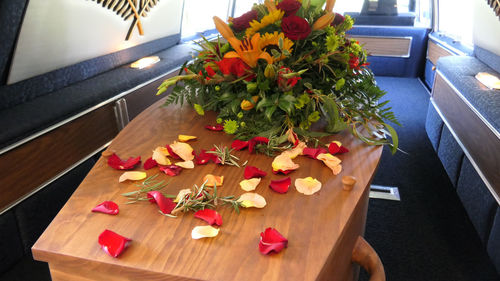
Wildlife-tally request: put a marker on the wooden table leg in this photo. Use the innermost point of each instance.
(364, 255)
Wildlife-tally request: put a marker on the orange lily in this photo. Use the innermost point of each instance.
(248, 50)
(223, 28)
(329, 5)
(323, 21)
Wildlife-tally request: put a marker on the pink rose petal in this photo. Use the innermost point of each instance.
(113, 243)
(271, 241)
(107, 207)
(210, 216)
(165, 204)
(281, 186)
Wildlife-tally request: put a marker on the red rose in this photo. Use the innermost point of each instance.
(236, 67)
(339, 19)
(295, 28)
(290, 7)
(286, 84)
(243, 22)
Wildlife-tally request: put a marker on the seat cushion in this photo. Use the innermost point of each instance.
(450, 153)
(433, 126)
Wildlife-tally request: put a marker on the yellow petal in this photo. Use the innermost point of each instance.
(182, 193)
(160, 157)
(292, 153)
(185, 138)
(133, 176)
(284, 162)
(186, 164)
(212, 180)
(331, 162)
(251, 199)
(249, 185)
(308, 185)
(204, 231)
(184, 150)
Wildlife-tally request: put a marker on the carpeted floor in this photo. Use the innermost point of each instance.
(427, 235)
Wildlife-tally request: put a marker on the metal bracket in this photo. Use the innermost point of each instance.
(384, 192)
(121, 113)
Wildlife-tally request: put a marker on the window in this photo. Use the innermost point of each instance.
(197, 16)
(456, 20)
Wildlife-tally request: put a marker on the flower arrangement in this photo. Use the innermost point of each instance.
(284, 65)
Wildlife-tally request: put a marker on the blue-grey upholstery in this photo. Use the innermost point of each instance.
(488, 58)
(450, 153)
(433, 126)
(394, 66)
(461, 72)
(429, 73)
(477, 200)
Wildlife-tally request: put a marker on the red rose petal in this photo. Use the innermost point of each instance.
(313, 152)
(113, 243)
(150, 163)
(334, 148)
(116, 163)
(281, 186)
(107, 207)
(253, 172)
(210, 216)
(284, 172)
(271, 240)
(202, 158)
(256, 140)
(171, 152)
(171, 170)
(217, 127)
(165, 204)
(239, 144)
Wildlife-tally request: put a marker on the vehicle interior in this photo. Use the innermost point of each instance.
(67, 89)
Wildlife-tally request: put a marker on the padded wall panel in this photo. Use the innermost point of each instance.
(450, 153)
(493, 246)
(477, 200)
(433, 126)
(429, 73)
(35, 213)
(11, 15)
(10, 242)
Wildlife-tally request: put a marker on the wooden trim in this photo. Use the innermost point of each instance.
(386, 46)
(435, 51)
(479, 141)
(31, 165)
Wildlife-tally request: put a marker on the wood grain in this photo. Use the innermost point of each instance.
(380, 46)
(316, 226)
(364, 255)
(479, 140)
(30, 165)
(434, 52)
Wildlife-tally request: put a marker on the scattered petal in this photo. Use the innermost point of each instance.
(239, 144)
(160, 156)
(183, 193)
(185, 138)
(331, 162)
(171, 170)
(253, 172)
(283, 164)
(204, 157)
(133, 176)
(204, 231)
(186, 164)
(212, 180)
(150, 163)
(254, 141)
(107, 207)
(217, 127)
(171, 152)
(307, 186)
(250, 184)
(113, 243)
(210, 216)
(313, 152)
(281, 186)
(251, 199)
(116, 163)
(165, 204)
(296, 151)
(336, 147)
(292, 137)
(271, 241)
(184, 150)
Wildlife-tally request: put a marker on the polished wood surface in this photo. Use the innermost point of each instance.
(477, 138)
(364, 255)
(321, 228)
(385, 46)
(434, 52)
(30, 165)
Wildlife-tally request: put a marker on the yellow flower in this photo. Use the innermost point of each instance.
(270, 41)
(268, 19)
(248, 50)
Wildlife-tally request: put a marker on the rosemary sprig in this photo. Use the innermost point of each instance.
(224, 155)
(149, 184)
(273, 145)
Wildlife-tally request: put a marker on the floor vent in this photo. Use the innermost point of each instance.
(384, 192)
